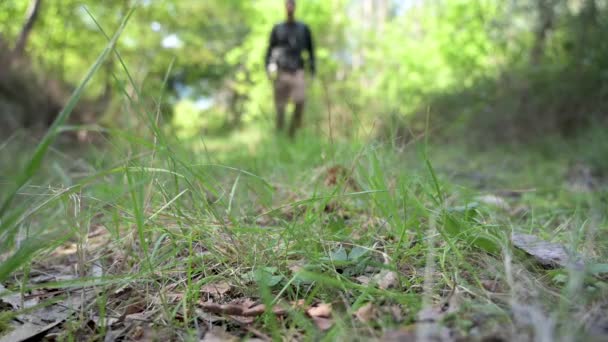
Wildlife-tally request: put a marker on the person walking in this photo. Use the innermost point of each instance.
(285, 66)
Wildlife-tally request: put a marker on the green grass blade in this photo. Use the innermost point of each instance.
(35, 162)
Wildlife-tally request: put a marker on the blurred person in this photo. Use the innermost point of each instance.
(285, 66)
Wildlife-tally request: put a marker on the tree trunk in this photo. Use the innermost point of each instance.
(546, 14)
(588, 19)
(382, 8)
(30, 19)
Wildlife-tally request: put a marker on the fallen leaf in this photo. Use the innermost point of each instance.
(138, 333)
(265, 276)
(430, 314)
(106, 321)
(366, 313)
(321, 310)
(134, 307)
(96, 270)
(337, 174)
(321, 316)
(233, 309)
(436, 313)
(37, 323)
(296, 266)
(363, 280)
(339, 255)
(520, 211)
(243, 320)
(403, 335)
(357, 252)
(598, 269)
(216, 289)
(495, 201)
(387, 279)
(28, 332)
(546, 253)
(246, 308)
(167, 298)
(11, 298)
(208, 317)
(217, 334)
(396, 313)
(491, 285)
(323, 323)
(138, 317)
(245, 311)
(298, 304)
(433, 332)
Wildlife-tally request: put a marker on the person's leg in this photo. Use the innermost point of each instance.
(281, 96)
(280, 119)
(296, 121)
(299, 98)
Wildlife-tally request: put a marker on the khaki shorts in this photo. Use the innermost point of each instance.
(290, 86)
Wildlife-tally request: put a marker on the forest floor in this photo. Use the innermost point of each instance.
(307, 240)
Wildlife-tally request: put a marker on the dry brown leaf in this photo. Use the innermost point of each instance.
(169, 298)
(387, 279)
(320, 310)
(520, 211)
(323, 323)
(245, 311)
(491, 285)
(217, 289)
(431, 314)
(396, 312)
(38, 322)
(366, 313)
(246, 302)
(138, 317)
(246, 308)
(138, 333)
(337, 174)
(13, 299)
(546, 253)
(243, 320)
(321, 316)
(403, 335)
(96, 270)
(296, 266)
(495, 201)
(134, 307)
(217, 334)
(234, 309)
(28, 332)
(363, 280)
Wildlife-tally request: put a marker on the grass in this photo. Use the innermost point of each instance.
(306, 221)
(146, 234)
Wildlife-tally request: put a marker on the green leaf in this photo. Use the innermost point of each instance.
(274, 280)
(339, 255)
(598, 269)
(265, 277)
(468, 208)
(467, 230)
(357, 252)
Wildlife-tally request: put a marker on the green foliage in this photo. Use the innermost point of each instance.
(7, 218)
(460, 58)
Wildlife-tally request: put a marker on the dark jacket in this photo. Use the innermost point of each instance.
(287, 42)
